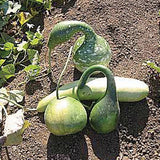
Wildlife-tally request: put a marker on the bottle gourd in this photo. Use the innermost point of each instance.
(65, 115)
(88, 50)
(105, 113)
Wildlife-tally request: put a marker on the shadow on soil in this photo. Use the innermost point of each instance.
(64, 4)
(72, 147)
(105, 146)
(32, 86)
(154, 87)
(134, 116)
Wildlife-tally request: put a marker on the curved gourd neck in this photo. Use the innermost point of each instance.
(111, 87)
(63, 31)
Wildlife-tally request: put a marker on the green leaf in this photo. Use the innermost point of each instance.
(38, 1)
(2, 23)
(6, 38)
(16, 96)
(39, 35)
(2, 61)
(153, 65)
(48, 4)
(8, 46)
(4, 54)
(35, 42)
(33, 56)
(2, 81)
(8, 71)
(32, 71)
(30, 35)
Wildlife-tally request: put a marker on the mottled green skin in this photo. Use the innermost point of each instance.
(88, 50)
(105, 113)
(91, 52)
(65, 116)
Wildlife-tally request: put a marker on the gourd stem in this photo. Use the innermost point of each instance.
(111, 87)
(20, 106)
(64, 30)
(5, 111)
(49, 59)
(58, 83)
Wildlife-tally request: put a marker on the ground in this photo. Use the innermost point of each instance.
(131, 28)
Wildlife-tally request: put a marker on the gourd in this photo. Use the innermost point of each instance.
(88, 50)
(128, 90)
(105, 113)
(65, 115)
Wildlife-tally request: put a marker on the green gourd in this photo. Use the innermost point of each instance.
(105, 113)
(65, 115)
(88, 50)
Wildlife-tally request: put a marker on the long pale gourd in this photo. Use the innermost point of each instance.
(128, 90)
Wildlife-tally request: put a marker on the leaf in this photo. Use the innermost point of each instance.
(39, 35)
(16, 96)
(30, 35)
(153, 65)
(32, 71)
(2, 61)
(4, 54)
(33, 56)
(2, 23)
(33, 12)
(3, 93)
(8, 46)
(8, 71)
(24, 17)
(1, 113)
(2, 81)
(22, 46)
(48, 4)
(35, 41)
(39, 1)
(6, 38)
(14, 128)
(4, 7)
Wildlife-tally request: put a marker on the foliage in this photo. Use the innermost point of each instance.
(19, 51)
(153, 65)
(15, 124)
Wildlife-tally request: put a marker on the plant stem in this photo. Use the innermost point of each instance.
(20, 106)
(58, 83)
(5, 111)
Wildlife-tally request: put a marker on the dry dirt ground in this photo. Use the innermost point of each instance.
(132, 29)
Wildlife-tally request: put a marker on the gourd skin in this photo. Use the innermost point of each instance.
(65, 116)
(128, 90)
(88, 50)
(91, 52)
(104, 119)
(105, 113)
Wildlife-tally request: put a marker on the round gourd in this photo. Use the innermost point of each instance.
(65, 116)
(90, 49)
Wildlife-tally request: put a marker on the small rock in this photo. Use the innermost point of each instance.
(125, 158)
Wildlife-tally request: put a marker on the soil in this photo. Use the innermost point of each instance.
(132, 30)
